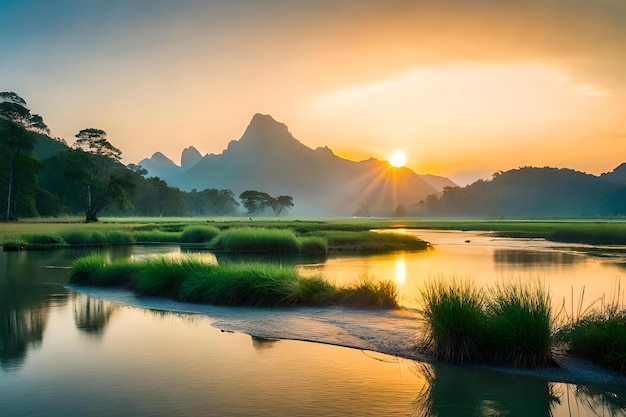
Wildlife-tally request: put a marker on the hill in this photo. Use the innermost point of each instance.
(536, 192)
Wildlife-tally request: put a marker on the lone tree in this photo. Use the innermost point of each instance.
(281, 204)
(95, 169)
(256, 201)
(17, 139)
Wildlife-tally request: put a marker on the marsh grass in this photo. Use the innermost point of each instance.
(198, 234)
(84, 237)
(192, 279)
(600, 337)
(313, 245)
(369, 241)
(96, 270)
(598, 331)
(251, 239)
(503, 325)
(454, 315)
(32, 241)
(369, 294)
(156, 236)
(520, 325)
(119, 237)
(13, 242)
(163, 277)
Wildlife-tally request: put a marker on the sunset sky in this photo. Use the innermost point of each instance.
(465, 88)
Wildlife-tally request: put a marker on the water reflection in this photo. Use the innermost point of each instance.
(91, 315)
(458, 391)
(261, 343)
(531, 258)
(601, 401)
(20, 328)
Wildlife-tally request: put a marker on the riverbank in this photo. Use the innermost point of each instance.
(390, 332)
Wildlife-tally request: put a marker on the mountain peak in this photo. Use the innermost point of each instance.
(263, 127)
(190, 157)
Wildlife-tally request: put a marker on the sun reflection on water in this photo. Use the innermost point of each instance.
(400, 269)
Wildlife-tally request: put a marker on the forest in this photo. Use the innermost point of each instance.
(43, 176)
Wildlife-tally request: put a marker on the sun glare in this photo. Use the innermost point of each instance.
(398, 159)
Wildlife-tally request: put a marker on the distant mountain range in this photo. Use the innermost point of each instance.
(268, 158)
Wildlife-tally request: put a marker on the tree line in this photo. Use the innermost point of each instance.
(42, 176)
(531, 192)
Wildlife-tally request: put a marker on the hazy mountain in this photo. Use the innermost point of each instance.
(268, 158)
(535, 192)
(617, 176)
(190, 157)
(159, 165)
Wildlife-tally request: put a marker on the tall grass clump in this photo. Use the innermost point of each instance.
(156, 236)
(455, 321)
(84, 237)
(11, 243)
(44, 239)
(192, 279)
(369, 294)
(600, 336)
(119, 237)
(313, 245)
(163, 277)
(508, 325)
(96, 270)
(256, 240)
(242, 284)
(198, 234)
(520, 325)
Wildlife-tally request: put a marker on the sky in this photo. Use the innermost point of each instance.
(464, 88)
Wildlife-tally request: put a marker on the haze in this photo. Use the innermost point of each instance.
(464, 88)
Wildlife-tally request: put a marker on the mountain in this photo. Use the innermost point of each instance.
(268, 158)
(617, 176)
(535, 192)
(190, 157)
(159, 165)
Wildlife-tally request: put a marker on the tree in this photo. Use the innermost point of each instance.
(255, 201)
(93, 167)
(17, 140)
(281, 203)
(94, 141)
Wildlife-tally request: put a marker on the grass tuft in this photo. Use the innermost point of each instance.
(198, 234)
(251, 239)
(505, 325)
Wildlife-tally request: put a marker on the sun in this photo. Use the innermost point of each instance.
(397, 159)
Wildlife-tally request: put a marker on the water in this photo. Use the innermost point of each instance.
(104, 352)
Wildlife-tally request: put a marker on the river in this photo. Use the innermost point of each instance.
(82, 351)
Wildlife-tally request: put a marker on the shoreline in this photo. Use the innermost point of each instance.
(385, 332)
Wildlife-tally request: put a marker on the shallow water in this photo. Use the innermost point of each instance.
(109, 353)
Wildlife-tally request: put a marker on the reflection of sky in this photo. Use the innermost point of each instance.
(484, 260)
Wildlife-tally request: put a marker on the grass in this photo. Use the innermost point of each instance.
(510, 325)
(238, 284)
(198, 234)
(252, 239)
(156, 236)
(598, 332)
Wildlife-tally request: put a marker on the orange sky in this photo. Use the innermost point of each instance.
(464, 88)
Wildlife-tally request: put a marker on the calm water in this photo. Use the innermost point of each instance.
(108, 353)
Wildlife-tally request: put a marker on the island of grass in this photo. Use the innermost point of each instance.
(513, 325)
(193, 280)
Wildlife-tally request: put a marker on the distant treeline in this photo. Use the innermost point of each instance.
(43, 176)
(534, 192)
